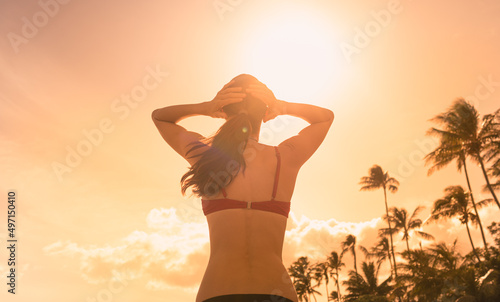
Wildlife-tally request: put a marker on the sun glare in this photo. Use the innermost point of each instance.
(294, 54)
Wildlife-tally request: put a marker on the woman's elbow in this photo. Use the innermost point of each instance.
(330, 115)
(154, 115)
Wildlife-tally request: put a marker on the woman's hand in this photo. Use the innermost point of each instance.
(224, 97)
(274, 106)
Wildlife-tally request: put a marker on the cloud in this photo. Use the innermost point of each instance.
(173, 252)
(317, 238)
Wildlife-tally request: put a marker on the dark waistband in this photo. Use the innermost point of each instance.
(248, 298)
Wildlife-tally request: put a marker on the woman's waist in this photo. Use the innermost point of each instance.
(246, 258)
(234, 278)
(262, 250)
(247, 273)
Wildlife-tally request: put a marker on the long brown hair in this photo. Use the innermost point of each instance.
(223, 159)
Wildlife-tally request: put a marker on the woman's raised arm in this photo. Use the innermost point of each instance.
(303, 145)
(178, 137)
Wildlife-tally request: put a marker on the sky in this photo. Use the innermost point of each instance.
(99, 212)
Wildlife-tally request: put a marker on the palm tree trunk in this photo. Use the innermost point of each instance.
(390, 262)
(407, 235)
(472, 243)
(327, 295)
(390, 233)
(412, 273)
(338, 285)
(314, 296)
(354, 254)
(475, 209)
(487, 180)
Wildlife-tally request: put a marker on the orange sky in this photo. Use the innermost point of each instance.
(98, 190)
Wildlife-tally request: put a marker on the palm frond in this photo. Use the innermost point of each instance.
(485, 202)
(425, 235)
(416, 212)
(365, 251)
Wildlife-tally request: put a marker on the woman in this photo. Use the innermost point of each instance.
(245, 186)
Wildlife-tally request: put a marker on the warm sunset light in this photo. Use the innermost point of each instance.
(294, 51)
(386, 188)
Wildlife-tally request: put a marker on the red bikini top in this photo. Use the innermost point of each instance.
(275, 206)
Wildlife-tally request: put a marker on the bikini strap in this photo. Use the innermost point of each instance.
(276, 177)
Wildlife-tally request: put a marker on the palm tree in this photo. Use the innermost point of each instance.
(334, 295)
(494, 171)
(440, 273)
(446, 257)
(402, 223)
(350, 245)
(381, 251)
(491, 122)
(443, 155)
(300, 271)
(335, 264)
(463, 136)
(493, 154)
(366, 288)
(456, 203)
(378, 179)
(420, 271)
(321, 270)
(460, 279)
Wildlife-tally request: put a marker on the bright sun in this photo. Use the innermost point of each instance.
(294, 54)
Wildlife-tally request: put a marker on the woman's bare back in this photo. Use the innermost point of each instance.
(246, 245)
